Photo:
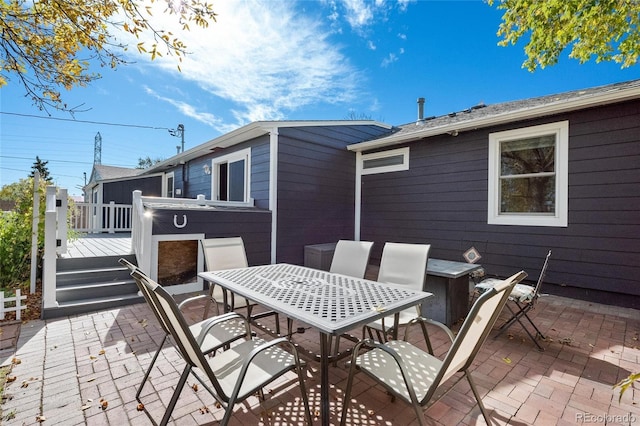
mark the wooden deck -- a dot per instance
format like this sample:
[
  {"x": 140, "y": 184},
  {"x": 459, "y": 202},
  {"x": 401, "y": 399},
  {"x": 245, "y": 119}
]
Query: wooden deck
[{"x": 96, "y": 245}]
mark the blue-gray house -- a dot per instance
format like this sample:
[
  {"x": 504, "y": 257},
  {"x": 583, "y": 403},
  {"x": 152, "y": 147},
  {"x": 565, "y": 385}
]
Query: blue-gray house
[{"x": 513, "y": 180}]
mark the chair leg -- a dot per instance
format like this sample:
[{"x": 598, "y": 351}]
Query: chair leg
[
  {"x": 347, "y": 392},
  {"x": 516, "y": 317},
  {"x": 478, "y": 399},
  {"x": 153, "y": 361},
  {"x": 176, "y": 394},
  {"x": 425, "y": 333}
]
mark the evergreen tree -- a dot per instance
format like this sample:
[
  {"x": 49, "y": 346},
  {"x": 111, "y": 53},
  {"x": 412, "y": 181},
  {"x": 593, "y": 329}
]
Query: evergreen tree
[{"x": 41, "y": 166}]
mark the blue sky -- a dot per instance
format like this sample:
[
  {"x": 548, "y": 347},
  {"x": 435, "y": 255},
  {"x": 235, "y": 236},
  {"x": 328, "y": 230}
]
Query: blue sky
[{"x": 275, "y": 60}]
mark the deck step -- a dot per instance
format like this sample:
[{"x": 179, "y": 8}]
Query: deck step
[
  {"x": 89, "y": 284},
  {"x": 105, "y": 289},
  {"x": 83, "y": 306}
]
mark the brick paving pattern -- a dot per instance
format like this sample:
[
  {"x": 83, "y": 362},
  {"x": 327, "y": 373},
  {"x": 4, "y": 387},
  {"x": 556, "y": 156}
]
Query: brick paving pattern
[{"x": 85, "y": 369}]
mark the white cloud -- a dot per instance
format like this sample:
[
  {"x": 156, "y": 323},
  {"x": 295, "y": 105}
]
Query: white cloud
[
  {"x": 263, "y": 58},
  {"x": 391, "y": 58}
]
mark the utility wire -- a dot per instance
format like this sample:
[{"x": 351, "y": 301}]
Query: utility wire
[{"x": 85, "y": 121}]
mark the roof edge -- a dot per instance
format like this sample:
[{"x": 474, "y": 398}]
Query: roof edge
[{"x": 606, "y": 98}]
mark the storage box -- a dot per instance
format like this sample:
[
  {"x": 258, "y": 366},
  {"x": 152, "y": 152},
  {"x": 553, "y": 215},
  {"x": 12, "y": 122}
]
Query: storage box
[{"x": 319, "y": 256}]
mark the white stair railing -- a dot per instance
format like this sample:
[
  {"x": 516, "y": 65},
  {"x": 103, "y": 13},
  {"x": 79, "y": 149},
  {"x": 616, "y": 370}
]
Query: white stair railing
[
  {"x": 141, "y": 232},
  {"x": 50, "y": 246}
]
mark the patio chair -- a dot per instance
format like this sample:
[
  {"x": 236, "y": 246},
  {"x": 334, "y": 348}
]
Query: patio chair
[
  {"x": 234, "y": 374},
  {"x": 401, "y": 264},
  {"x": 524, "y": 297},
  {"x": 349, "y": 258},
  {"x": 413, "y": 375},
  {"x": 229, "y": 253},
  {"x": 214, "y": 333}
]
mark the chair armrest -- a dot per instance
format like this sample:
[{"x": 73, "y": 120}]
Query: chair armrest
[
  {"x": 198, "y": 298},
  {"x": 208, "y": 324},
  {"x": 262, "y": 347},
  {"x": 446, "y": 329}
]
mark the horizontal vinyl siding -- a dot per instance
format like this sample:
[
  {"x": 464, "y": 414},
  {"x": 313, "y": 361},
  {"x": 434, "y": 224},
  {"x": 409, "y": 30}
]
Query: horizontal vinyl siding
[
  {"x": 198, "y": 182},
  {"x": 442, "y": 200},
  {"x": 121, "y": 192},
  {"x": 254, "y": 226},
  {"x": 316, "y": 178}
]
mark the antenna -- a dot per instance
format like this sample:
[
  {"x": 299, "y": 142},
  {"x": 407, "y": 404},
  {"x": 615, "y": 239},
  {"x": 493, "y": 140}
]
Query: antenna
[{"x": 97, "y": 149}]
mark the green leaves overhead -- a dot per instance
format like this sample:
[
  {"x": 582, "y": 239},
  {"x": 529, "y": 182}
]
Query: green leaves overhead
[
  {"x": 604, "y": 30},
  {"x": 48, "y": 45}
]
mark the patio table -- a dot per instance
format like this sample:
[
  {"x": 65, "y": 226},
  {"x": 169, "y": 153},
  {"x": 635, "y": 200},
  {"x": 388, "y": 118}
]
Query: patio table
[{"x": 331, "y": 303}]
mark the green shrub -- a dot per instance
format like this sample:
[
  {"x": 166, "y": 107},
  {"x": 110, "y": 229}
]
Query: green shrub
[{"x": 15, "y": 232}]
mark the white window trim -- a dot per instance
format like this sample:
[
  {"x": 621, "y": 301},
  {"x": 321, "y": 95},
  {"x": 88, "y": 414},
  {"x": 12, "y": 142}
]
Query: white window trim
[
  {"x": 404, "y": 152},
  {"x": 560, "y": 219},
  {"x": 165, "y": 185},
  {"x": 245, "y": 155}
]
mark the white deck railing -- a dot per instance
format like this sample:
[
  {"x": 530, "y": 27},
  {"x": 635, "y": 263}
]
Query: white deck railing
[{"x": 98, "y": 217}]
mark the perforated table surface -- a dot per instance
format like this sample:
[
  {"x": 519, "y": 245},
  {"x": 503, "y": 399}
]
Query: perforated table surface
[{"x": 331, "y": 303}]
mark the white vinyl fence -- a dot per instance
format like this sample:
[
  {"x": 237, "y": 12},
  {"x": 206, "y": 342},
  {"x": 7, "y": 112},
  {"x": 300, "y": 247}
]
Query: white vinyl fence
[{"x": 15, "y": 301}]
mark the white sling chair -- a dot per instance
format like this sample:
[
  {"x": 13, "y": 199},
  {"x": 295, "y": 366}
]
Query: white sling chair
[
  {"x": 229, "y": 253},
  {"x": 213, "y": 333},
  {"x": 232, "y": 375},
  {"x": 413, "y": 375}
]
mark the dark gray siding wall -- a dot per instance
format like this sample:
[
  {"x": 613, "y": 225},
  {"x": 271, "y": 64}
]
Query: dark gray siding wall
[
  {"x": 442, "y": 200},
  {"x": 253, "y": 225},
  {"x": 121, "y": 192},
  {"x": 194, "y": 181},
  {"x": 316, "y": 178}
]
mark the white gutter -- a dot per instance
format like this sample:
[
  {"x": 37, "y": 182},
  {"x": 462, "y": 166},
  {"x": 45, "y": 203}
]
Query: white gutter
[
  {"x": 613, "y": 96},
  {"x": 273, "y": 190},
  {"x": 358, "y": 198}
]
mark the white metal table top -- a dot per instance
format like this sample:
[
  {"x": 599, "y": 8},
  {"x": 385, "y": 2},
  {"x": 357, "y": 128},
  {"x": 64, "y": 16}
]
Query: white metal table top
[{"x": 332, "y": 303}]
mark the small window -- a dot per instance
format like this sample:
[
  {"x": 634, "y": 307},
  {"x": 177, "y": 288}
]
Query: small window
[
  {"x": 231, "y": 176},
  {"x": 528, "y": 175},
  {"x": 386, "y": 161}
]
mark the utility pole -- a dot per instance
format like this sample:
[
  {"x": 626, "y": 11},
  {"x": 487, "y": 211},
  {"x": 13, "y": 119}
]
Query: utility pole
[{"x": 179, "y": 133}]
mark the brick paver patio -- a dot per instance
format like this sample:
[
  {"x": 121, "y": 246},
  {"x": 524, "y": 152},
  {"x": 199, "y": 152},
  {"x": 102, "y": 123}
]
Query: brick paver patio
[{"x": 85, "y": 369}]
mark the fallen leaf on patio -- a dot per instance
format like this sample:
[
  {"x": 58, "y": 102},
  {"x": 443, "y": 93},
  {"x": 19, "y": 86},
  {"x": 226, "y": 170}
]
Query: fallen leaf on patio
[
  {"x": 11, "y": 379},
  {"x": 204, "y": 410},
  {"x": 93, "y": 357},
  {"x": 507, "y": 360},
  {"x": 371, "y": 413},
  {"x": 510, "y": 336},
  {"x": 218, "y": 405},
  {"x": 592, "y": 345},
  {"x": 85, "y": 407},
  {"x": 40, "y": 419},
  {"x": 140, "y": 407},
  {"x": 103, "y": 403},
  {"x": 24, "y": 384},
  {"x": 133, "y": 339},
  {"x": 194, "y": 387},
  {"x": 15, "y": 361},
  {"x": 91, "y": 379},
  {"x": 101, "y": 352},
  {"x": 143, "y": 322},
  {"x": 566, "y": 341}
]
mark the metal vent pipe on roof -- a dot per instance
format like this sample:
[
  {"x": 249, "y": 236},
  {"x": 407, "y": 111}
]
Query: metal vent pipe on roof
[{"x": 420, "y": 109}]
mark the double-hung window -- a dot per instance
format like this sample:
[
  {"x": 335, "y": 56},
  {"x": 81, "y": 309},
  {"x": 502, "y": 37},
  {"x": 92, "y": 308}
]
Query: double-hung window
[
  {"x": 528, "y": 176},
  {"x": 231, "y": 176}
]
